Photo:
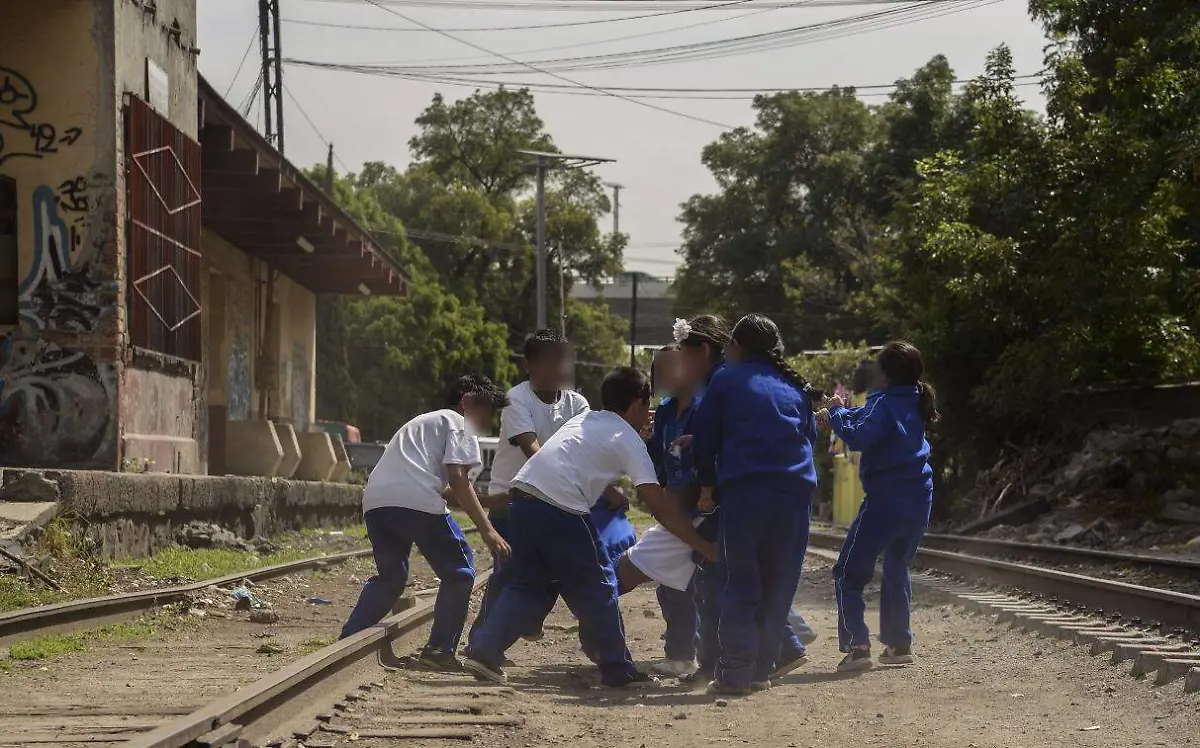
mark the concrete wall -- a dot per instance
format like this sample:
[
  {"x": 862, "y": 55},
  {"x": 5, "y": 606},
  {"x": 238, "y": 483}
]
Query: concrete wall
[
  {"x": 58, "y": 363},
  {"x": 238, "y": 377},
  {"x": 134, "y": 515}
]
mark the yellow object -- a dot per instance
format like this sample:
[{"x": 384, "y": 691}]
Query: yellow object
[{"x": 847, "y": 488}]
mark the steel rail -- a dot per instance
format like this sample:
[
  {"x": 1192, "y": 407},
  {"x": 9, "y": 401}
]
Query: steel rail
[
  {"x": 1169, "y": 608},
  {"x": 1060, "y": 554},
  {"x": 75, "y": 612},
  {"x": 227, "y": 717}
]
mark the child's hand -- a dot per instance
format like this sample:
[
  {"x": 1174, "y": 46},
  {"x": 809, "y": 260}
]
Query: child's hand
[
  {"x": 709, "y": 551},
  {"x": 648, "y": 430},
  {"x": 834, "y": 403},
  {"x": 822, "y": 417},
  {"x": 706, "y": 504},
  {"x": 496, "y": 544},
  {"x": 682, "y": 442}
]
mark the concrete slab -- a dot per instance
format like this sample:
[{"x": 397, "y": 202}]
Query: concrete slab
[{"x": 19, "y": 518}]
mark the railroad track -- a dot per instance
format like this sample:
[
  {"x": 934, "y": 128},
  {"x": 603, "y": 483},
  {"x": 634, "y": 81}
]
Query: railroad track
[
  {"x": 1105, "y": 598},
  {"x": 78, "y": 614}
]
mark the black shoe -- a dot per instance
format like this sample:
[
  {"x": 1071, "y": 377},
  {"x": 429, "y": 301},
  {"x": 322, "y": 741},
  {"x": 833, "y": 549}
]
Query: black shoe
[
  {"x": 857, "y": 661},
  {"x": 482, "y": 670},
  {"x": 896, "y": 656},
  {"x": 717, "y": 688},
  {"x": 635, "y": 680},
  {"x": 437, "y": 660}
]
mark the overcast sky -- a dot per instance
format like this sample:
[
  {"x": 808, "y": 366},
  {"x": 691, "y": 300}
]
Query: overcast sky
[{"x": 657, "y": 153}]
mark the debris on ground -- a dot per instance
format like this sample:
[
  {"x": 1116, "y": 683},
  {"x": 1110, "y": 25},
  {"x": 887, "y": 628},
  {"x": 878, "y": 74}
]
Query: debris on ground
[
  {"x": 30, "y": 487},
  {"x": 1124, "y": 488},
  {"x": 199, "y": 534},
  {"x": 244, "y": 599}
]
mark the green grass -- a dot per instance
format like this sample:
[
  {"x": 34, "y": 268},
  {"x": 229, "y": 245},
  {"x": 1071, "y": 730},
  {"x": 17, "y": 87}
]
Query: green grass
[
  {"x": 47, "y": 646},
  {"x": 74, "y": 569},
  {"x": 312, "y": 645},
  {"x": 207, "y": 563}
]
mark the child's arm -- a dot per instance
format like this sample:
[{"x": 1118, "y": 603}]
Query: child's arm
[
  {"x": 667, "y": 511},
  {"x": 464, "y": 496},
  {"x": 860, "y": 428},
  {"x": 706, "y": 430},
  {"x": 516, "y": 425},
  {"x": 655, "y": 447},
  {"x": 616, "y": 497}
]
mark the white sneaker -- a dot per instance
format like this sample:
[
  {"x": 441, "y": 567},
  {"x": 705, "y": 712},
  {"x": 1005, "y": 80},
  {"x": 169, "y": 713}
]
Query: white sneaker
[{"x": 675, "y": 668}]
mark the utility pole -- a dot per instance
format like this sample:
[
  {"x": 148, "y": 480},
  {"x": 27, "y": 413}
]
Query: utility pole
[
  {"x": 329, "y": 172},
  {"x": 633, "y": 306},
  {"x": 542, "y": 163},
  {"x": 270, "y": 41}
]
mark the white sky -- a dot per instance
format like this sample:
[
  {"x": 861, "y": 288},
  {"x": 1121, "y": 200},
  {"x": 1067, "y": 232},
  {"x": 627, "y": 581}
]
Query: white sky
[{"x": 657, "y": 154}]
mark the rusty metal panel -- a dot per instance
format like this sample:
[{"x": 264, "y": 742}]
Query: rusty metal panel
[{"x": 162, "y": 170}]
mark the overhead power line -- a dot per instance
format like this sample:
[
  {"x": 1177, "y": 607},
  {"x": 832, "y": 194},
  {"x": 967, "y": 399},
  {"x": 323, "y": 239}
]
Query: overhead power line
[
  {"x": 692, "y": 52},
  {"x": 536, "y": 69},
  {"x": 595, "y": 6},
  {"x": 529, "y": 27}
]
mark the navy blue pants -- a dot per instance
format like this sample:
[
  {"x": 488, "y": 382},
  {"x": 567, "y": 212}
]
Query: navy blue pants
[
  {"x": 501, "y": 575},
  {"x": 393, "y": 531},
  {"x": 763, "y": 535},
  {"x": 709, "y": 583},
  {"x": 550, "y": 545},
  {"x": 890, "y": 523},
  {"x": 681, "y": 613}
]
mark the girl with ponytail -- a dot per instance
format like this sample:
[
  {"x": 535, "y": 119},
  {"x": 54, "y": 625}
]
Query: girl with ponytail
[
  {"x": 889, "y": 431},
  {"x": 753, "y": 438}
]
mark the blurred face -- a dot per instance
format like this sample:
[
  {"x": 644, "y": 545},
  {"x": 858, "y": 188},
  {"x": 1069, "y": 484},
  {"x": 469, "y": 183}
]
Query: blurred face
[
  {"x": 694, "y": 364},
  {"x": 668, "y": 373},
  {"x": 876, "y": 379},
  {"x": 479, "y": 414},
  {"x": 551, "y": 370}
]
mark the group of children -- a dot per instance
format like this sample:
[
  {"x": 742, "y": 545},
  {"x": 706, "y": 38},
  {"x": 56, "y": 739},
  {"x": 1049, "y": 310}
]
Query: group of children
[{"x": 725, "y": 465}]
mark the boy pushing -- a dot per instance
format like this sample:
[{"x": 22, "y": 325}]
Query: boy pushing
[
  {"x": 403, "y": 505},
  {"x": 554, "y": 539}
]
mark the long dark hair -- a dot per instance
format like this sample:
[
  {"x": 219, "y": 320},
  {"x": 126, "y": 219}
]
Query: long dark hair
[
  {"x": 708, "y": 329},
  {"x": 654, "y": 363},
  {"x": 758, "y": 336},
  {"x": 902, "y": 364}
]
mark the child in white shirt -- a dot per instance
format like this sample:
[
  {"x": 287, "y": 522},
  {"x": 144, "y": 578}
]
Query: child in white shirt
[{"x": 403, "y": 506}]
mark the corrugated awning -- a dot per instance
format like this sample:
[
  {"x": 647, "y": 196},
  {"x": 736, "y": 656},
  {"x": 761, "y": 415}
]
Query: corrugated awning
[{"x": 257, "y": 200}]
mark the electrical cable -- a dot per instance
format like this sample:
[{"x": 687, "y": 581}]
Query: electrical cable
[
  {"x": 242, "y": 64},
  {"x": 563, "y": 78}
]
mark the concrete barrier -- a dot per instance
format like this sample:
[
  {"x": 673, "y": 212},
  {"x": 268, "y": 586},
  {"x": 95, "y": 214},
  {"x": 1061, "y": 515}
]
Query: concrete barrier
[
  {"x": 252, "y": 448},
  {"x": 131, "y": 515},
  {"x": 291, "y": 450},
  {"x": 317, "y": 458}
]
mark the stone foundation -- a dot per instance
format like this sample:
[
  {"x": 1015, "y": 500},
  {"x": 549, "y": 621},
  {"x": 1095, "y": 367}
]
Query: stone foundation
[{"x": 133, "y": 515}]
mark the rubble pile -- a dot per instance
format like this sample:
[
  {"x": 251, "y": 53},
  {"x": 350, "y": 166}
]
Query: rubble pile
[
  {"x": 1125, "y": 487},
  {"x": 207, "y": 535}
]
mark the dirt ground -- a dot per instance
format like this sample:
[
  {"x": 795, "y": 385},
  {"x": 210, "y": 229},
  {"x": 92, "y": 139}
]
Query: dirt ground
[{"x": 976, "y": 684}]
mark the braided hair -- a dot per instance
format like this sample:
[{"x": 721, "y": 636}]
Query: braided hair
[
  {"x": 758, "y": 335},
  {"x": 708, "y": 329}
]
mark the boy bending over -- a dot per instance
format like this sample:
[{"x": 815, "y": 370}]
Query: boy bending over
[
  {"x": 403, "y": 506},
  {"x": 553, "y": 537}
]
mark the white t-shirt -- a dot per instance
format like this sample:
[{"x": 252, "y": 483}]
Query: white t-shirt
[
  {"x": 585, "y": 456},
  {"x": 526, "y": 413},
  {"x": 412, "y": 471}
]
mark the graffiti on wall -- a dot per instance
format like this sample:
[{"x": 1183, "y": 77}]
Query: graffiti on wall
[
  {"x": 56, "y": 406},
  {"x": 63, "y": 288},
  {"x": 60, "y": 291},
  {"x": 301, "y": 386},
  {"x": 22, "y": 133},
  {"x": 237, "y": 382}
]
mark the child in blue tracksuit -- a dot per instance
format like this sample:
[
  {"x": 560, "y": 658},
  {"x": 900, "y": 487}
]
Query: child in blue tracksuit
[
  {"x": 754, "y": 430},
  {"x": 889, "y": 431},
  {"x": 672, "y": 419}
]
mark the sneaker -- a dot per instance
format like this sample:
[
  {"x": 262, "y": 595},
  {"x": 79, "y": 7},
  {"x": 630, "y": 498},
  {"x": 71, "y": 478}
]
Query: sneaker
[
  {"x": 896, "y": 656},
  {"x": 483, "y": 671},
  {"x": 717, "y": 688},
  {"x": 675, "y": 668},
  {"x": 438, "y": 660},
  {"x": 856, "y": 661},
  {"x": 635, "y": 680},
  {"x": 787, "y": 667},
  {"x": 760, "y": 685},
  {"x": 702, "y": 675}
]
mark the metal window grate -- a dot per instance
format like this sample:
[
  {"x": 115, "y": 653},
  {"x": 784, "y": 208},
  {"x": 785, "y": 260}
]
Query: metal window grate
[{"x": 162, "y": 179}]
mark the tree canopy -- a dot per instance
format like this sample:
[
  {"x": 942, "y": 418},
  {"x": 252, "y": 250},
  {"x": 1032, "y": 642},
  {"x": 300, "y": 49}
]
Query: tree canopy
[
  {"x": 1028, "y": 254},
  {"x": 461, "y": 217}
]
